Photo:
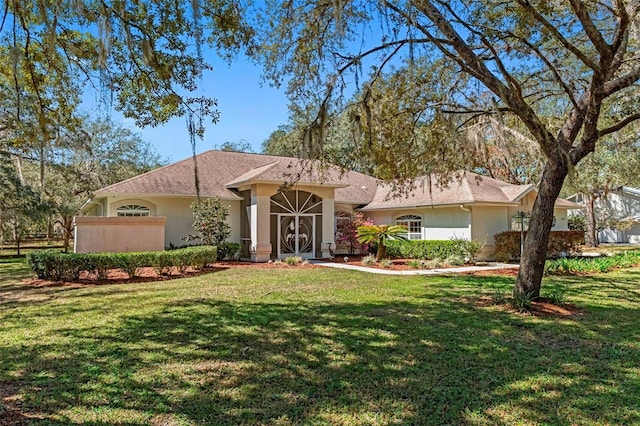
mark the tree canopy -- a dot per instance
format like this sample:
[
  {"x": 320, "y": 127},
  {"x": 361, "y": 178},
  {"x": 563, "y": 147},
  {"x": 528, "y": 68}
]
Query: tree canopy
[{"x": 566, "y": 71}]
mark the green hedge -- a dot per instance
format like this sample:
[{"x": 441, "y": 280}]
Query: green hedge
[
  {"x": 54, "y": 265},
  {"x": 433, "y": 249},
  {"x": 508, "y": 244}
]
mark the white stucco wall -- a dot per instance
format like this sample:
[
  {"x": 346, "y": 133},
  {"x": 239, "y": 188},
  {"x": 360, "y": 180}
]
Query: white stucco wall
[
  {"x": 178, "y": 212},
  {"x": 446, "y": 223}
]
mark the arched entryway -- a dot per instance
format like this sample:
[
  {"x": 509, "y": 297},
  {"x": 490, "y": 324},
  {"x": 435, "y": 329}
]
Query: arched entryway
[{"x": 296, "y": 218}]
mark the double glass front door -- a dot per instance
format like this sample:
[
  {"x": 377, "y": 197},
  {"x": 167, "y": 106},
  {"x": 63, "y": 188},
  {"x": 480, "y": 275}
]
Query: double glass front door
[{"x": 296, "y": 234}]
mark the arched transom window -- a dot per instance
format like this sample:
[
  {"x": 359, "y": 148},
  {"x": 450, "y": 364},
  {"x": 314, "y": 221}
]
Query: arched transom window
[
  {"x": 413, "y": 224},
  {"x": 131, "y": 210}
]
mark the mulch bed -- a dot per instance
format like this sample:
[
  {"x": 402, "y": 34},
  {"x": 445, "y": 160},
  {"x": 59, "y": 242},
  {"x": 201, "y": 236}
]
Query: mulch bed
[{"x": 148, "y": 274}]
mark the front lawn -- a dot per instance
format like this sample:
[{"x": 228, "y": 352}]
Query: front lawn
[{"x": 317, "y": 346}]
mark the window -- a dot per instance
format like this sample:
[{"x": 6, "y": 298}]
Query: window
[
  {"x": 413, "y": 224},
  {"x": 342, "y": 221},
  {"x": 131, "y": 210}
]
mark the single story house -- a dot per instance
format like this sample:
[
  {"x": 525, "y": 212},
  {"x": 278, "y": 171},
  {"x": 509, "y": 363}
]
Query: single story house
[
  {"x": 282, "y": 206},
  {"x": 619, "y": 211}
]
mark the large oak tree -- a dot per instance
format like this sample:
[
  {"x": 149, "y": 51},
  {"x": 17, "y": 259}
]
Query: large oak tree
[{"x": 560, "y": 68}]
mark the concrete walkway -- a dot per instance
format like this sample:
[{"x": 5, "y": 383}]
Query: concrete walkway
[{"x": 437, "y": 271}]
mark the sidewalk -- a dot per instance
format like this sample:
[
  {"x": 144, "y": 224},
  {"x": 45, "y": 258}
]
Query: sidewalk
[{"x": 437, "y": 271}]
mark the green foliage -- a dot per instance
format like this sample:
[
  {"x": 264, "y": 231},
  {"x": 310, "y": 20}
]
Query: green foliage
[
  {"x": 368, "y": 260},
  {"x": 498, "y": 296},
  {"x": 347, "y": 232},
  {"x": 455, "y": 260},
  {"x": 210, "y": 221},
  {"x": 577, "y": 222},
  {"x": 560, "y": 243},
  {"x": 57, "y": 266},
  {"x": 416, "y": 264},
  {"x": 293, "y": 260},
  {"x": 431, "y": 249},
  {"x": 386, "y": 263},
  {"x": 558, "y": 298},
  {"x": 380, "y": 235},
  {"x": 590, "y": 265},
  {"x": 522, "y": 302},
  {"x": 228, "y": 250},
  {"x": 21, "y": 204}
]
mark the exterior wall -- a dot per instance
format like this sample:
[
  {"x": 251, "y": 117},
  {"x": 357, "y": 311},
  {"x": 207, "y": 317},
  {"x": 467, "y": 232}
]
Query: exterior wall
[
  {"x": 438, "y": 223},
  {"x": 487, "y": 221},
  {"x": 118, "y": 234},
  {"x": 243, "y": 218},
  {"x": 561, "y": 215},
  {"x": 633, "y": 234},
  {"x": 179, "y": 217},
  {"x": 446, "y": 223}
]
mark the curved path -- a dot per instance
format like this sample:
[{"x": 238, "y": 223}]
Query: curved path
[{"x": 437, "y": 271}]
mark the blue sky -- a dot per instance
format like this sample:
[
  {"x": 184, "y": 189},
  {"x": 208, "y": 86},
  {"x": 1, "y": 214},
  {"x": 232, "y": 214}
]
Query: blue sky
[{"x": 248, "y": 111}]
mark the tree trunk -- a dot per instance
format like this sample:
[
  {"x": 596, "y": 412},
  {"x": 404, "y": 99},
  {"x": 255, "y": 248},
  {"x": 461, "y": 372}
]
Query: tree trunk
[
  {"x": 67, "y": 229},
  {"x": 381, "y": 253},
  {"x": 591, "y": 240},
  {"x": 535, "y": 244}
]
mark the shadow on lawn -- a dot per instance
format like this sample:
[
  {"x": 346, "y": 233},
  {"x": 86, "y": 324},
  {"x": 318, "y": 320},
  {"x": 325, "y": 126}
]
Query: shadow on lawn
[{"x": 209, "y": 362}]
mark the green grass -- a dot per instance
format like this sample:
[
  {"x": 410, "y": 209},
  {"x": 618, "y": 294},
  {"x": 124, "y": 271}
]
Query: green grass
[{"x": 298, "y": 346}]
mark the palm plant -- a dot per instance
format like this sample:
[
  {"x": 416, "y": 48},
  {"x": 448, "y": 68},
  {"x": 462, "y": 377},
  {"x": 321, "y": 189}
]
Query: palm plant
[{"x": 379, "y": 235}]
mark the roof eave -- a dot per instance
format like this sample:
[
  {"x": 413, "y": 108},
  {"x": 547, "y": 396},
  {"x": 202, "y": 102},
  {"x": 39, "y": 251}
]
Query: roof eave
[
  {"x": 150, "y": 194},
  {"x": 249, "y": 182}
]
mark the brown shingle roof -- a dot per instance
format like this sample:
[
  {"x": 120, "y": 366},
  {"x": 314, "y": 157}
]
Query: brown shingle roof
[
  {"x": 219, "y": 171},
  {"x": 470, "y": 188}
]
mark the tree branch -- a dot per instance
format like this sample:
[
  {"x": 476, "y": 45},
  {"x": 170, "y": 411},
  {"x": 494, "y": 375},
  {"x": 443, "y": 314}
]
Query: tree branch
[
  {"x": 558, "y": 36},
  {"x": 619, "y": 125},
  {"x": 622, "y": 82},
  {"x": 590, "y": 29}
]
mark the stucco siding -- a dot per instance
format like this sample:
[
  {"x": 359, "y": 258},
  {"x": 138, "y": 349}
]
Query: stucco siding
[
  {"x": 559, "y": 213},
  {"x": 488, "y": 221},
  {"x": 446, "y": 223},
  {"x": 437, "y": 223},
  {"x": 179, "y": 215},
  {"x": 380, "y": 218},
  {"x": 118, "y": 234}
]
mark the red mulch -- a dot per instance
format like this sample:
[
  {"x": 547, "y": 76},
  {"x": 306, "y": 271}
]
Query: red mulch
[
  {"x": 542, "y": 307},
  {"x": 148, "y": 274}
]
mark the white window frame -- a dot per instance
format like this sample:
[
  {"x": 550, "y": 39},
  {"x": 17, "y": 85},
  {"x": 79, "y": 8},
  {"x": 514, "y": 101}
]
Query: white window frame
[
  {"x": 133, "y": 210},
  {"x": 413, "y": 223}
]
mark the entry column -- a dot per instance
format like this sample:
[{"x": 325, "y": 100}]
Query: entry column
[
  {"x": 328, "y": 224},
  {"x": 260, "y": 223}
]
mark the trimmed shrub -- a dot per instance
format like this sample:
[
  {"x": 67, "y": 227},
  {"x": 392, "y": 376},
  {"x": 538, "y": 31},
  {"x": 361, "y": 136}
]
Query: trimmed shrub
[
  {"x": 432, "y": 249},
  {"x": 560, "y": 242},
  {"x": 228, "y": 250},
  {"x": 164, "y": 261},
  {"x": 54, "y": 265}
]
